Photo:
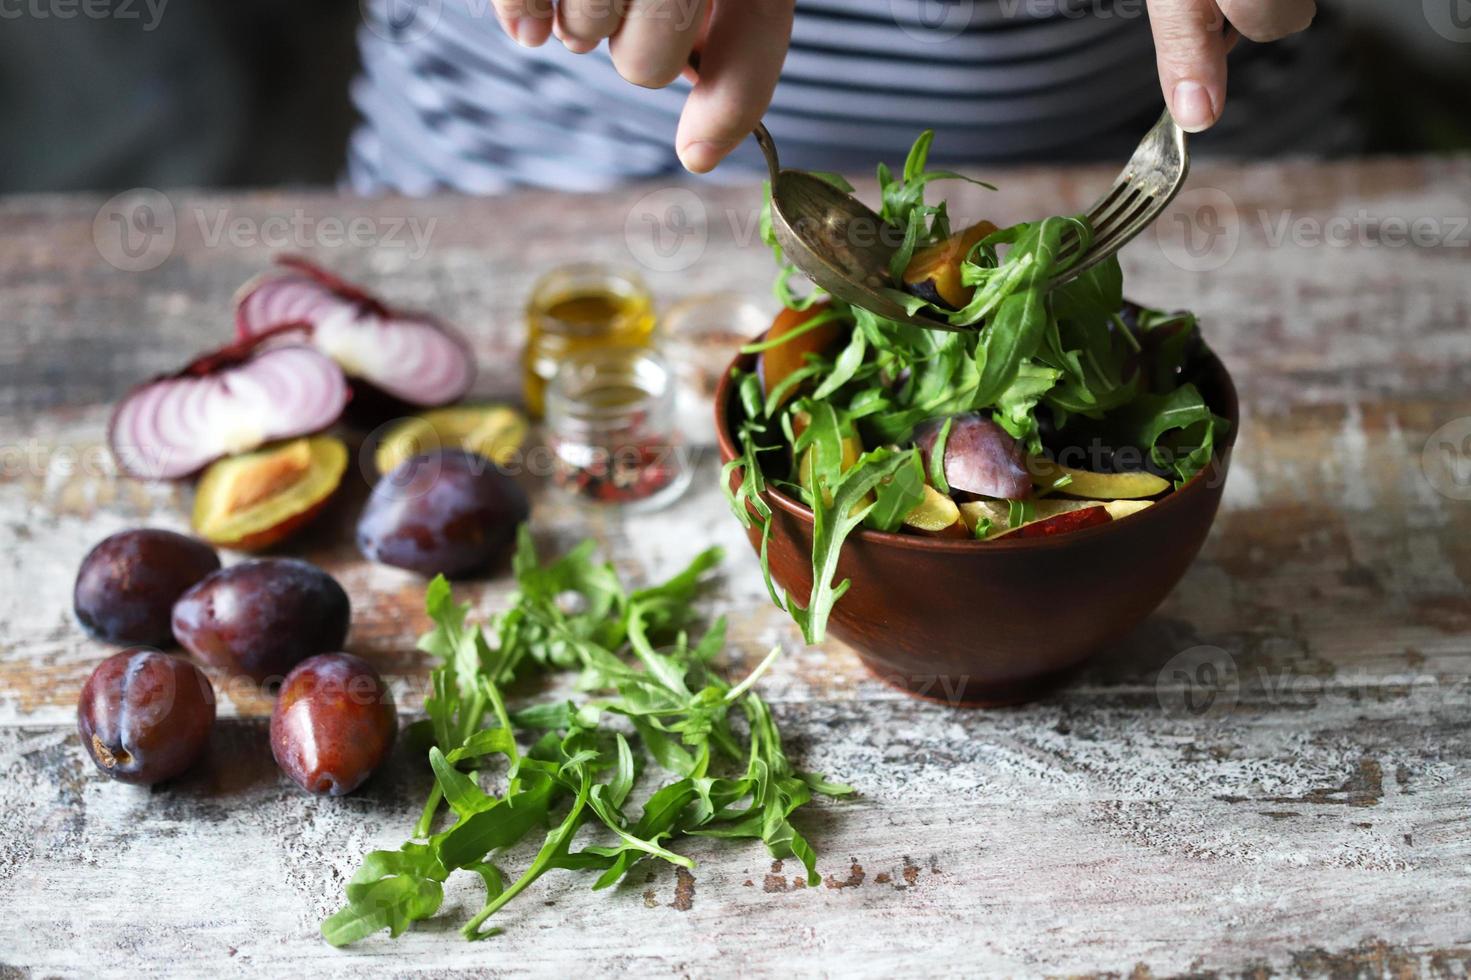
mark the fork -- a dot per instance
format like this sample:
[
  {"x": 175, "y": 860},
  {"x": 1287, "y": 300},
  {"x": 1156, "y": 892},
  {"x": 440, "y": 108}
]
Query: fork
[{"x": 1149, "y": 182}]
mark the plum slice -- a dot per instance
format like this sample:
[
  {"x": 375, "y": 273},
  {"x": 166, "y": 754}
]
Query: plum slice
[
  {"x": 933, "y": 273},
  {"x": 411, "y": 357},
  {"x": 775, "y": 364},
  {"x": 1131, "y": 485},
  {"x": 980, "y": 457},
  {"x": 1068, "y": 520},
  {"x": 493, "y": 431},
  {"x": 936, "y": 516},
  {"x": 229, "y": 401},
  {"x": 255, "y": 500}
]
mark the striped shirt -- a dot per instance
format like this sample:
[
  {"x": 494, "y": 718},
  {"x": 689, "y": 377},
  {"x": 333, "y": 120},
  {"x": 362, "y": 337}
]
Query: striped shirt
[{"x": 448, "y": 101}]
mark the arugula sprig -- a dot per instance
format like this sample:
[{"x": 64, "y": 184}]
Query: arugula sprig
[
  {"x": 572, "y": 769},
  {"x": 1038, "y": 353}
]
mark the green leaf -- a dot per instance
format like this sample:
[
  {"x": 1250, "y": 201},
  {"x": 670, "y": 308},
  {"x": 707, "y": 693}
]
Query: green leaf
[
  {"x": 389, "y": 903},
  {"x": 937, "y": 456},
  {"x": 1093, "y": 298},
  {"x": 898, "y": 495},
  {"x": 831, "y": 526},
  {"x": 1012, "y": 336}
]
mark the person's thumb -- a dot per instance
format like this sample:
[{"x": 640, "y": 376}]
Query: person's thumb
[{"x": 1190, "y": 46}]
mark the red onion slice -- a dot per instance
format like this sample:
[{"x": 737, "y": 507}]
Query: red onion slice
[
  {"x": 411, "y": 356},
  {"x": 227, "y": 402}
]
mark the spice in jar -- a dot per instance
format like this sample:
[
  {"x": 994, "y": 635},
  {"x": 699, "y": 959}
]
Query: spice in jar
[
  {"x": 578, "y": 308},
  {"x": 612, "y": 431}
]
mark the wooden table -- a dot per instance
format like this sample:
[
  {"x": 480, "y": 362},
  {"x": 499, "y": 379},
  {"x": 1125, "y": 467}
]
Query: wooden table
[{"x": 1313, "y": 819}]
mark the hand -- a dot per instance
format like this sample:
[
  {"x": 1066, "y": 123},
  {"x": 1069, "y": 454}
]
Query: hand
[
  {"x": 1191, "y": 45},
  {"x": 742, "y": 46}
]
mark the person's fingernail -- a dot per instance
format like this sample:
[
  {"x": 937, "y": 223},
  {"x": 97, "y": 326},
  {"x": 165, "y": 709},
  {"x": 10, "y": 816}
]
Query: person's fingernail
[
  {"x": 701, "y": 156},
  {"x": 529, "y": 32},
  {"x": 1192, "y": 107}
]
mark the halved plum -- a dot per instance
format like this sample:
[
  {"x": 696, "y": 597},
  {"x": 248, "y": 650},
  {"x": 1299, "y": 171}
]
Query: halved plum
[
  {"x": 775, "y": 364},
  {"x": 258, "y": 499},
  {"x": 933, "y": 273},
  {"x": 493, "y": 431}
]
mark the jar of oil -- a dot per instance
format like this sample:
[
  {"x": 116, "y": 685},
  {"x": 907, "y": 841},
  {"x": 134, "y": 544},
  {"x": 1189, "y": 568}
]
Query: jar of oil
[{"x": 579, "y": 308}]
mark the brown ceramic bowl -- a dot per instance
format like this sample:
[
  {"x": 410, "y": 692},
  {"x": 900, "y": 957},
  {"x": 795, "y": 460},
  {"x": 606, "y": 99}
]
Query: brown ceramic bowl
[{"x": 996, "y": 622}]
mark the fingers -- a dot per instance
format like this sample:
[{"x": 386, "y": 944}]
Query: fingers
[
  {"x": 528, "y": 22},
  {"x": 653, "y": 43},
  {"x": 1191, "y": 50},
  {"x": 739, "y": 66},
  {"x": 1273, "y": 21},
  {"x": 581, "y": 24}
]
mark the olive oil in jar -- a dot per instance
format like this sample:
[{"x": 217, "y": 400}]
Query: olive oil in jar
[{"x": 579, "y": 308}]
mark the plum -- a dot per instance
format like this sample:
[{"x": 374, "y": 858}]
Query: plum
[
  {"x": 129, "y": 582},
  {"x": 334, "y": 723},
  {"x": 980, "y": 457},
  {"x": 145, "y": 716},
  {"x": 261, "y": 618},
  {"x": 450, "y": 512}
]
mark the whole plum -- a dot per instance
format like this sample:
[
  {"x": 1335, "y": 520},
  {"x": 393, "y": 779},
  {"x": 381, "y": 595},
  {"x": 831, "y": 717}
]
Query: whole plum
[
  {"x": 334, "y": 723},
  {"x": 261, "y": 618},
  {"x": 451, "y": 512},
  {"x": 145, "y": 716},
  {"x": 128, "y": 583}
]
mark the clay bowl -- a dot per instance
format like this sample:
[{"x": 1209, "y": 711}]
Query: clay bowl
[{"x": 996, "y": 622}]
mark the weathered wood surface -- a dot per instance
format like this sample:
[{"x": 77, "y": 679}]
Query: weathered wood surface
[{"x": 1316, "y": 822}]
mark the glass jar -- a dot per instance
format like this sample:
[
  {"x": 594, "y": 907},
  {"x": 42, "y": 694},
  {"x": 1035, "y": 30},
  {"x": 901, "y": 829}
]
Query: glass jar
[
  {"x": 700, "y": 335},
  {"x": 611, "y": 426},
  {"x": 580, "y": 307}
]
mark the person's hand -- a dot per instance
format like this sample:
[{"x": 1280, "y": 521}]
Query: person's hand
[
  {"x": 742, "y": 46},
  {"x": 1191, "y": 44}
]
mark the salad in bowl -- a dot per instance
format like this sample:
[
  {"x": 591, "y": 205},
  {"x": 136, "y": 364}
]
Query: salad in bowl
[{"x": 1055, "y": 411}]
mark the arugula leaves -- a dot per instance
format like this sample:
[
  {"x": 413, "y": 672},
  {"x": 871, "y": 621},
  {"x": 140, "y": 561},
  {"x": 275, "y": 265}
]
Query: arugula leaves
[
  {"x": 579, "y": 768},
  {"x": 1039, "y": 355}
]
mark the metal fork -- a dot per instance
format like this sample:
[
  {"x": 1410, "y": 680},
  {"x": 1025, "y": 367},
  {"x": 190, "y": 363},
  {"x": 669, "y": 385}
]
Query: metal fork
[{"x": 1149, "y": 182}]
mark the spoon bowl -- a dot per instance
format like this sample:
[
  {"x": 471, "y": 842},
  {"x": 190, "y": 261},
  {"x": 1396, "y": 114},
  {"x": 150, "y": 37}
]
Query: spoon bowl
[{"x": 836, "y": 240}]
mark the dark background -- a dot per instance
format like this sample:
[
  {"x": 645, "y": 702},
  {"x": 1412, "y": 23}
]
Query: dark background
[{"x": 255, "y": 93}]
